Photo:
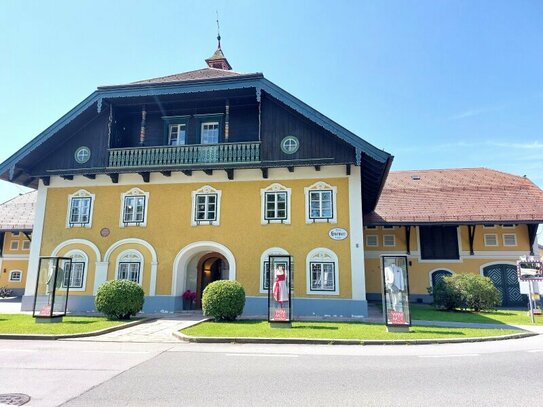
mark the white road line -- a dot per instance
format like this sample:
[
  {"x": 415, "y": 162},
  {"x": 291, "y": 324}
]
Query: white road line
[
  {"x": 450, "y": 356},
  {"x": 113, "y": 351},
  {"x": 261, "y": 355},
  {"x": 18, "y": 350}
]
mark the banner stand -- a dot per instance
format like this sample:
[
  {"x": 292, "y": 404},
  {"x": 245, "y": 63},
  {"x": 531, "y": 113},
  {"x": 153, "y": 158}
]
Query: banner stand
[
  {"x": 279, "y": 277},
  {"x": 396, "y": 293}
]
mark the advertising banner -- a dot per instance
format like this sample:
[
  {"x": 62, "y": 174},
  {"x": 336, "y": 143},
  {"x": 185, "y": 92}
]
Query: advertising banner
[
  {"x": 396, "y": 291},
  {"x": 279, "y": 289},
  {"x": 52, "y": 286}
]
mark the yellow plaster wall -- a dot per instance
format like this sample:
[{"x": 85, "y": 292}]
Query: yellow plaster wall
[
  {"x": 169, "y": 228},
  {"x": 10, "y": 265}
]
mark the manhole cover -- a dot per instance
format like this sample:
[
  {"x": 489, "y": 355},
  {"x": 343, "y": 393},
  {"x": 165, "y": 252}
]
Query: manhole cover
[{"x": 14, "y": 399}]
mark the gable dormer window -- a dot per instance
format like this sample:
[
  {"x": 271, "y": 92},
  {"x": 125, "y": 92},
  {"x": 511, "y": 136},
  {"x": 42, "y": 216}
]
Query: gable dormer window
[
  {"x": 134, "y": 208},
  {"x": 80, "y": 209}
]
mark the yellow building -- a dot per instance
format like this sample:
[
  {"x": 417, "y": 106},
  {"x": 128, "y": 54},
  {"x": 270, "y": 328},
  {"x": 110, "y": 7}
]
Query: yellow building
[
  {"x": 473, "y": 220},
  {"x": 16, "y": 223},
  {"x": 178, "y": 181}
]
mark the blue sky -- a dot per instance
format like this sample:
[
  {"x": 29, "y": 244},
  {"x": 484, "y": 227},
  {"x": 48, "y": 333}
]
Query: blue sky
[{"x": 437, "y": 83}]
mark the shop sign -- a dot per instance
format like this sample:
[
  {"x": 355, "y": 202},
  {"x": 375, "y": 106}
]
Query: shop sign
[{"x": 338, "y": 234}]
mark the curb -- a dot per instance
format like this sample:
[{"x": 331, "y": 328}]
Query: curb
[
  {"x": 301, "y": 341},
  {"x": 80, "y": 335}
]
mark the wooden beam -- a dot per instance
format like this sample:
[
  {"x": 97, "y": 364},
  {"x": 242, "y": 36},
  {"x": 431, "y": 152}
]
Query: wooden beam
[
  {"x": 230, "y": 173},
  {"x": 348, "y": 169},
  {"x": 90, "y": 176},
  {"x": 166, "y": 173},
  {"x": 68, "y": 177},
  {"x": 146, "y": 176},
  {"x": 209, "y": 172},
  {"x": 46, "y": 180},
  {"x": 471, "y": 233},
  {"x": 317, "y": 167},
  {"x": 408, "y": 239},
  {"x": 532, "y": 233},
  {"x": 290, "y": 169},
  {"x": 28, "y": 235},
  {"x": 114, "y": 178},
  {"x": 188, "y": 173},
  {"x": 264, "y": 173}
]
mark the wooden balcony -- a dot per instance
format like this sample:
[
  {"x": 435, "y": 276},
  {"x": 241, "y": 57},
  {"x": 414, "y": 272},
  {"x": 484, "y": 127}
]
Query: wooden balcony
[{"x": 198, "y": 155}]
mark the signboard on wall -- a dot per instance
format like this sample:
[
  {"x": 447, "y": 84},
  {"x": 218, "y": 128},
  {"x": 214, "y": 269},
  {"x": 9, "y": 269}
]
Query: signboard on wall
[{"x": 338, "y": 234}]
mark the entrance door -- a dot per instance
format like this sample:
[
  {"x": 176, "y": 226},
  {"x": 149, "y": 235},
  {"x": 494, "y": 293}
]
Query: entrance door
[
  {"x": 504, "y": 277},
  {"x": 210, "y": 269}
]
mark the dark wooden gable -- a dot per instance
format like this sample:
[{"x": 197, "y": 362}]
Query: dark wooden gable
[{"x": 317, "y": 145}]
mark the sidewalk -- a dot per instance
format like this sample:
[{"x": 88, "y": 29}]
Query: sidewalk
[{"x": 158, "y": 330}]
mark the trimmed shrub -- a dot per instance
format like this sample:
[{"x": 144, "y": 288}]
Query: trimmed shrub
[
  {"x": 223, "y": 300},
  {"x": 465, "y": 290},
  {"x": 119, "y": 299},
  {"x": 446, "y": 296}
]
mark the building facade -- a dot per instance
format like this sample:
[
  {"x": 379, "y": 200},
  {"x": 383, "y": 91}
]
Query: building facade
[{"x": 178, "y": 181}]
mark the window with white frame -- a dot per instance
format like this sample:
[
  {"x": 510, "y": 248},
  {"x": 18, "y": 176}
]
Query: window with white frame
[
  {"x": 80, "y": 206},
  {"x": 177, "y": 134},
  {"x": 14, "y": 245},
  {"x": 129, "y": 266},
  {"x": 388, "y": 227},
  {"x": 275, "y": 204},
  {"x": 509, "y": 239},
  {"x": 15, "y": 275},
  {"x": 265, "y": 267},
  {"x": 491, "y": 239},
  {"x": 134, "y": 208},
  {"x": 209, "y": 133},
  {"x": 320, "y": 203},
  {"x": 322, "y": 269},
  {"x": 74, "y": 277},
  {"x": 489, "y": 226},
  {"x": 371, "y": 227},
  {"x": 389, "y": 240},
  {"x": 206, "y": 205},
  {"x": 372, "y": 240},
  {"x": 26, "y": 244},
  {"x": 508, "y": 226},
  {"x": 15, "y": 234}
]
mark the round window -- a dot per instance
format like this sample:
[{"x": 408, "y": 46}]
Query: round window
[
  {"x": 82, "y": 155},
  {"x": 290, "y": 145}
]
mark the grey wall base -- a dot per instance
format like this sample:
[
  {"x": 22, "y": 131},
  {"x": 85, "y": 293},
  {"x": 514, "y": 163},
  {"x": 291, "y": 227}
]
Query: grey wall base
[
  {"x": 311, "y": 307},
  {"x": 417, "y": 298},
  {"x": 254, "y": 306}
]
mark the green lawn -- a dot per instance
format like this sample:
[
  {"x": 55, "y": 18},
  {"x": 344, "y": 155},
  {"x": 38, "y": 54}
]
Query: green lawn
[
  {"x": 429, "y": 313},
  {"x": 332, "y": 330},
  {"x": 24, "y": 324}
]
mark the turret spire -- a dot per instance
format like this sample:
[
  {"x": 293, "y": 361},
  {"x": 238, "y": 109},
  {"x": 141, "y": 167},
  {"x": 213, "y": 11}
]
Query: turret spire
[{"x": 218, "y": 60}]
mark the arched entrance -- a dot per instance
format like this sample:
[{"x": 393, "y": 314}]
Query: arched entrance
[
  {"x": 211, "y": 267},
  {"x": 189, "y": 267}
]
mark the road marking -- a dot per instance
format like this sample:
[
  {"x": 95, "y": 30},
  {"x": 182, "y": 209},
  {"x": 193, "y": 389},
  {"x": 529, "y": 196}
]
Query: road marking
[
  {"x": 113, "y": 351},
  {"x": 450, "y": 356},
  {"x": 262, "y": 355},
  {"x": 18, "y": 350}
]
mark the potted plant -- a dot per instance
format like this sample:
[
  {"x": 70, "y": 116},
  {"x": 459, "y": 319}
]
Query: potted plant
[{"x": 188, "y": 299}]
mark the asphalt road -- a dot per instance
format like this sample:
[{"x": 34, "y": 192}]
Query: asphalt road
[{"x": 77, "y": 373}]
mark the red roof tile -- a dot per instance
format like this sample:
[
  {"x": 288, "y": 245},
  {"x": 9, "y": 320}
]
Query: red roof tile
[
  {"x": 18, "y": 213},
  {"x": 457, "y": 195}
]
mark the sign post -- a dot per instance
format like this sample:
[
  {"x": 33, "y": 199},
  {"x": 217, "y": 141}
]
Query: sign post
[
  {"x": 279, "y": 292},
  {"x": 530, "y": 269},
  {"x": 396, "y": 293}
]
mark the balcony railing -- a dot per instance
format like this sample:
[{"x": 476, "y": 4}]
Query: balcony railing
[{"x": 186, "y": 155}]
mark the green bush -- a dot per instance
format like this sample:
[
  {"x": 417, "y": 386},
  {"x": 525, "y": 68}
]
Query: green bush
[
  {"x": 446, "y": 296},
  {"x": 223, "y": 300},
  {"x": 468, "y": 291},
  {"x": 119, "y": 299}
]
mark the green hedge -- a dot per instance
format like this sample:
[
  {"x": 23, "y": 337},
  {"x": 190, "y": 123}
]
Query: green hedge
[
  {"x": 467, "y": 291},
  {"x": 223, "y": 300},
  {"x": 119, "y": 299}
]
